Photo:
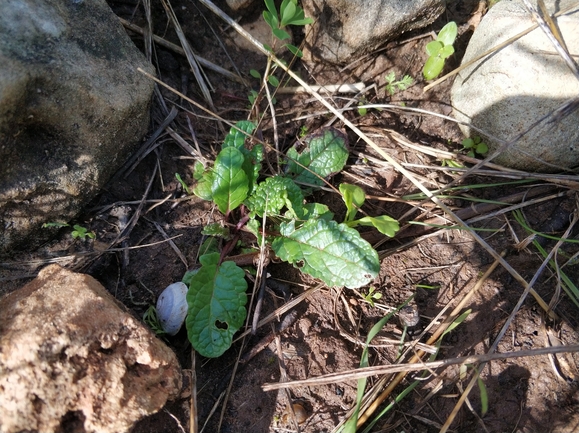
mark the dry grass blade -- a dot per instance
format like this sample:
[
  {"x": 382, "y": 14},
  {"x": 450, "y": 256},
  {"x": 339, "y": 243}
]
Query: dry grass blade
[
  {"x": 552, "y": 33},
  {"x": 404, "y": 369},
  {"x": 195, "y": 67},
  {"x": 177, "y": 49}
]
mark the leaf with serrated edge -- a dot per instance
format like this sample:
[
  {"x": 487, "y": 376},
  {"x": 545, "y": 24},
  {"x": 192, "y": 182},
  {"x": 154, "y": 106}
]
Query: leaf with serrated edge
[
  {"x": 326, "y": 154},
  {"x": 332, "y": 252},
  {"x": 216, "y": 300},
  {"x": 230, "y": 184}
]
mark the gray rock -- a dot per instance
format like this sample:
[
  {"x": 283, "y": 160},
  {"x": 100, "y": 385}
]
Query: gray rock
[
  {"x": 346, "y": 29},
  {"x": 72, "y": 107},
  {"x": 513, "y": 88},
  {"x": 72, "y": 360}
]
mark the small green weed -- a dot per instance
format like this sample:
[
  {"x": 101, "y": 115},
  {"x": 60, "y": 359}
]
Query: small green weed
[
  {"x": 475, "y": 146},
  {"x": 372, "y": 296},
  {"x": 183, "y": 184},
  {"x": 300, "y": 233},
  {"x": 78, "y": 231},
  {"x": 394, "y": 86},
  {"x": 439, "y": 50}
]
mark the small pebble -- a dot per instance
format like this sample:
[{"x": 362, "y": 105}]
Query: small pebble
[{"x": 409, "y": 316}]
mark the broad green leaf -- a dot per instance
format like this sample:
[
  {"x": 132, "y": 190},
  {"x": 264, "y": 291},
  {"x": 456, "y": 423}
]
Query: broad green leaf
[
  {"x": 216, "y": 300},
  {"x": 280, "y": 34},
  {"x": 354, "y": 197},
  {"x": 270, "y": 5},
  {"x": 447, "y": 34},
  {"x": 287, "y": 13},
  {"x": 230, "y": 184},
  {"x": 433, "y": 67},
  {"x": 271, "y": 20},
  {"x": 433, "y": 48},
  {"x": 482, "y": 148},
  {"x": 326, "y": 153},
  {"x": 236, "y": 138},
  {"x": 275, "y": 193},
  {"x": 385, "y": 224},
  {"x": 332, "y": 252},
  {"x": 317, "y": 210},
  {"x": 467, "y": 143},
  {"x": 209, "y": 245},
  {"x": 446, "y": 52}
]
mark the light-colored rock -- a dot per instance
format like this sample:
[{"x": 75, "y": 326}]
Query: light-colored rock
[
  {"x": 72, "y": 107},
  {"x": 72, "y": 360},
  {"x": 346, "y": 29},
  {"x": 513, "y": 88},
  {"x": 239, "y": 4}
]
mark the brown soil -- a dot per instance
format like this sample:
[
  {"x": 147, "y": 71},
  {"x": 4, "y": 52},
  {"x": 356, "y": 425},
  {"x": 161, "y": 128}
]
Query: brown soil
[{"x": 330, "y": 326}]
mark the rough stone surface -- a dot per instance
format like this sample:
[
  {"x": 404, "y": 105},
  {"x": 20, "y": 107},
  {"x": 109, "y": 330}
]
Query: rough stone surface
[
  {"x": 513, "y": 88},
  {"x": 72, "y": 106},
  {"x": 71, "y": 360},
  {"x": 346, "y": 29}
]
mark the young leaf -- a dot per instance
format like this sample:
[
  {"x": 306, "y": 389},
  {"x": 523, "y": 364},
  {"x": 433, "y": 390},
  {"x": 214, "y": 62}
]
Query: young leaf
[
  {"x": 287, "y": 13},
  {"x": 215, "y": 229},
  {"x": 280, "y": 34},
  {"x": 205, "y": 181},
  {"x": 446, "y": 52},
  {"x": 230, "y": 184},
  {"x": 295, "y": 50},
  {"x": 354, "y": 197},
  {"x": 236, "y": 138},
  {"x": 270, "y": 5},
  {"x": 272, "y": 79},
  {"x": 317, "y": 210},
  {"x": 385, "y": 224},
  {"x": 216, "y": 300},
  {"x": 326, "y": 153},
  {"x": 447, "y": 34},
  {"x": 275, "y": 193},
  {"x": 332, "y": 252},
  {"x": 433, "y": 67},
  {"x": 484, "y": 399},
  {"x": 254, "y": 73},
  {"x": 433, "y": 48}
]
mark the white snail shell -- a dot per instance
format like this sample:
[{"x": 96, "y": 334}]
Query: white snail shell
[{"x": 172, "y": 307}]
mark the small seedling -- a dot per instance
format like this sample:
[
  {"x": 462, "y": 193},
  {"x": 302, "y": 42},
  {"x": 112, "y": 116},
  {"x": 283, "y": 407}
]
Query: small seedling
[
  {"x": 439, "y": 50},
  {"x": 393, "y": 86},
  {"x": 475, "y": 145},
  {"x": 151, "y": 319},
  {"x": 183, "y": 184},
  {"x": 372, "y": 296},
  {"x": 78, "y": 231}
]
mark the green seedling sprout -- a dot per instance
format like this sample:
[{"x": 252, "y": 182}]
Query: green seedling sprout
[
  {"x": 475, "y": 146},
  {"x": 439, "y": 50},
  {"x": 78, "y": 231},
  {"x": 394, "y": 86},
  {"x": 183, "y": 184}
]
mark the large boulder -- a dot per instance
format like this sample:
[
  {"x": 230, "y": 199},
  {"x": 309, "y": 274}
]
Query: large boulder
[
  {"x": 508, "y": 91},
  {"x": 72, "y": 360},
  {"x": 346, "y": 29},
  {"x": 72, "y": 107}
]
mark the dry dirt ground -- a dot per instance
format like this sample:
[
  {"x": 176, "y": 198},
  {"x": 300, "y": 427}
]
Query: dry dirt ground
[{"x": 328, "y": 327}]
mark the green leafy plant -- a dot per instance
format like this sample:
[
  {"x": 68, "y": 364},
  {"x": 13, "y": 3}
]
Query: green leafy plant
[
  {"x": 303, "y": 234},
  {"x": 289, "y": 14},
  {"x": 439, "y": 50},
  {"x": 372, "y": 296},
  {"x": 475, "y": 146},
  {"x": 151, "y": 319},
  {"x": 78, "y": 231},
  {"x": 393, "y": 85}
]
